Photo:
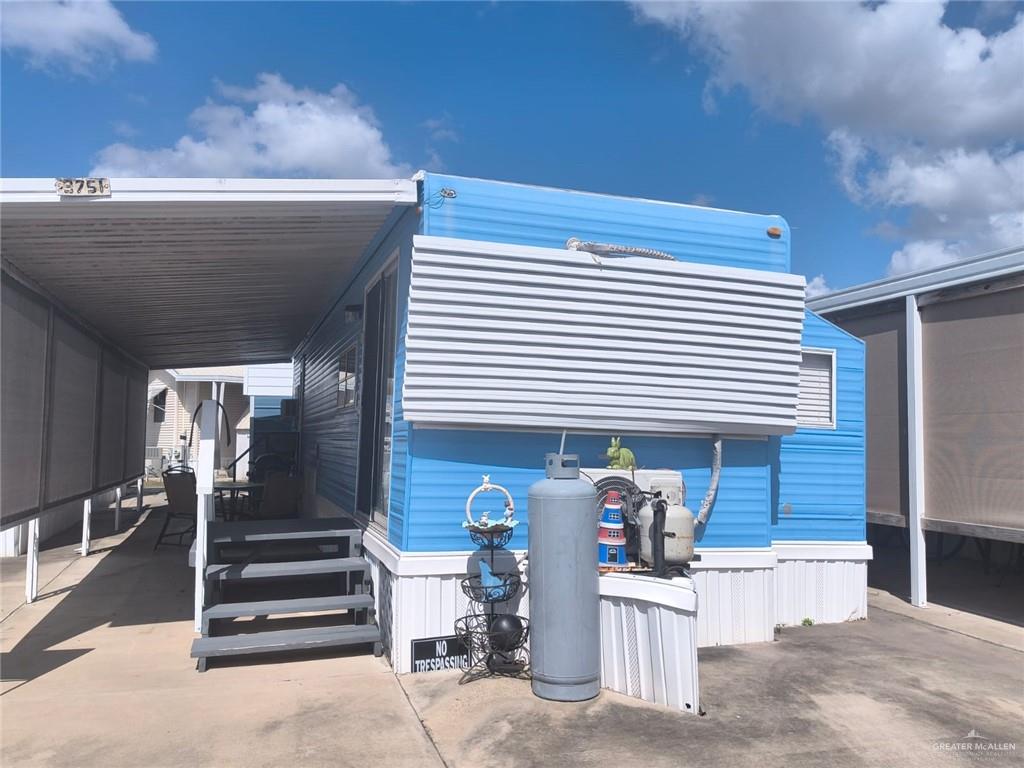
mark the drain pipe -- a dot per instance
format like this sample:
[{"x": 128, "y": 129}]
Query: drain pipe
[{"x": 716, "y": 471}]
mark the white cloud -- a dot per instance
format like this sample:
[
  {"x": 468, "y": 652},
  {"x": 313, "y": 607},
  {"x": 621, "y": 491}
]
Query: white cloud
[
  {"x": 80, "y": 35},
  {"x": 442, "y": 128},
  {"x": 817, "y": 286},
  {"x": 892, "y": 69},
  {"x": 922, "y": 254},
  {"x": 919, "y": 116},
  {"x": 271, "y": 129}
]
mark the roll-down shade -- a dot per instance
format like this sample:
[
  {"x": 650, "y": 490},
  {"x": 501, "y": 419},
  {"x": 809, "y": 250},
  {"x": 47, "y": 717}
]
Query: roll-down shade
[{"x": 516, "y": 336}]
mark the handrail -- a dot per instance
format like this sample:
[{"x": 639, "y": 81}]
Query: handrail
[{"x": 232, "y": 465}]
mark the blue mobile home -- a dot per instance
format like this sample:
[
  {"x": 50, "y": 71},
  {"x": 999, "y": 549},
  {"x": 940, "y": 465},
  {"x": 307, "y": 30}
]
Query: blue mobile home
[
  {"x": 441, "y": 329},
  {"x": 785, "y": 537}
]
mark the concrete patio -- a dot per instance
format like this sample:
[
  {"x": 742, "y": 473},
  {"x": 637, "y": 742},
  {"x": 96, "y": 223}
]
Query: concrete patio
[{"x": 97, "y": 673}]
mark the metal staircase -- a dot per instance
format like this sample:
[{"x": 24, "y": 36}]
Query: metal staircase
[{"x": 284, "y": 585}]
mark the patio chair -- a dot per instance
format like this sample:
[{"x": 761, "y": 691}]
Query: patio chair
[
  {"x": 280, "y": 497},
  {"x": 180, "y": 486}
]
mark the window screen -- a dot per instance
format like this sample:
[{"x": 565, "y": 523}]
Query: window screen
[{"x": 815, "y": 403}]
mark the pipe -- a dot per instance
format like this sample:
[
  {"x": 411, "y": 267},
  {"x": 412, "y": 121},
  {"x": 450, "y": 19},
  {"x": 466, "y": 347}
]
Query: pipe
[
  {"x": 224, "y": 412},
  {"x": 659, "y": 507},
  {"x": 611, "y": 249},
  {"x": 716, "y": 471}
]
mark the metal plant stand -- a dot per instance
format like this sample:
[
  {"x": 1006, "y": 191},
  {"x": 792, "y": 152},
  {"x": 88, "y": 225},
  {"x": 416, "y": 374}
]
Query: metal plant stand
[{"x": 495, "y": 640}]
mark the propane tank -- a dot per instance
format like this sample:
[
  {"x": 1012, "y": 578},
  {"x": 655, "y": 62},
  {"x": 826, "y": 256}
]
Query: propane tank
[
  {"x": 679, "y": 534},
  {"x": 565, "y": 612}
]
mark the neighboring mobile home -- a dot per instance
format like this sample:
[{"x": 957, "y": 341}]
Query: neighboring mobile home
[
  {"x": 945, "y": 399},
  {"x": 449, "y": 330}
]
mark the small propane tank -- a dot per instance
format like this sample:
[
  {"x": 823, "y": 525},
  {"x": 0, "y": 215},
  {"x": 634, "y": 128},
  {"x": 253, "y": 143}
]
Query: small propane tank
[{"x": 678, "y": 521}]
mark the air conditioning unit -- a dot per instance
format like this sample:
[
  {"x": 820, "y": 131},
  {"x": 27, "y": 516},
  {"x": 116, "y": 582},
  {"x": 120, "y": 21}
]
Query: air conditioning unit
[{"x": 668, "y": 481}]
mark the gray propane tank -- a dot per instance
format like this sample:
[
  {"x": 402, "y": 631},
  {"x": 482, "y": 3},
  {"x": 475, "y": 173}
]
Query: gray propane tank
[{"x": 565, "y": 611}]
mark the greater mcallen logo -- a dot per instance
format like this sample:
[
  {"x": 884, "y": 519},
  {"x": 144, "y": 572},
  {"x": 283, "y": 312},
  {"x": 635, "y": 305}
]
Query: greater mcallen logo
[{"x": 975, "y": 743}]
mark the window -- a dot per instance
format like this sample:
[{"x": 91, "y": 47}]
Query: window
[
  {"x": 347, "y": 377},
  {"x": 817, "y": 398},
  {"x": 159, "y": 406}
]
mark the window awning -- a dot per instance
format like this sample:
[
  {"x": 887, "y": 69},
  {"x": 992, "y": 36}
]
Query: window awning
[{"x": 192, "y": 272}]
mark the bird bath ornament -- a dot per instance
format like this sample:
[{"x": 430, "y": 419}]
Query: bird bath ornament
[{"x": 485, "y": 525}]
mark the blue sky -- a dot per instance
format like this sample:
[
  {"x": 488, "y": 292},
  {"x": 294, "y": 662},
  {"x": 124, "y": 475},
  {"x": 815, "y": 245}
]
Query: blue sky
[{"x": 901, "y": 160}]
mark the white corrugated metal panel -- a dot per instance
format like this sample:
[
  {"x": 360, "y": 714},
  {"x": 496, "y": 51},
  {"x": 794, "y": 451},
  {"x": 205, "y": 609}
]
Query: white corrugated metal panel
[
  {"x": 183, "y": 272},
  {"x": 540, "y": 337},
  {"x": 817, "y": 398},
  {"x": 649, "y": 650},
  {"x": 272, "y": 380},
  {"x": 735, "y": 606},
  {"x": 825, "y": 591}
]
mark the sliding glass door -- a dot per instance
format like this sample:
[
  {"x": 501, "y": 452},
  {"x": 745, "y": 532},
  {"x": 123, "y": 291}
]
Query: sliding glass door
[{"x": 378, "y": 390}]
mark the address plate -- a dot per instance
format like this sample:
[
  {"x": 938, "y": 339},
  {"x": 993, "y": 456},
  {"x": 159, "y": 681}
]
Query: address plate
[{"x": 83, "y": 187}]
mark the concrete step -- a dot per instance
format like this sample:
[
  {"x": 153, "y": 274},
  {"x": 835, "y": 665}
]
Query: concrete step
[
  {"x": 234, "y": 571},
  {"x": 293, "y": 605},
  {"x": 284, "y": 640},
  {"x": 250, "y": 531}
]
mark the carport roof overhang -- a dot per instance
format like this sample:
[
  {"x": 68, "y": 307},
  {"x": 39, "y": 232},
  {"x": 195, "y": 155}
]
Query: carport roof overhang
[{"x": 190, "y": 272}]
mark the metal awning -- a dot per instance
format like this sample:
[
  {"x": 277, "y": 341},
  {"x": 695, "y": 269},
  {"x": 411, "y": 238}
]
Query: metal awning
[{"x": 192, "y": 272}]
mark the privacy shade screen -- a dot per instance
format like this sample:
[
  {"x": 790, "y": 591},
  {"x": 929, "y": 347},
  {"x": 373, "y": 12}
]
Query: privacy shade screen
[
  {"x": 73, "y": 410},
  {"x": 516, "y": 336}
]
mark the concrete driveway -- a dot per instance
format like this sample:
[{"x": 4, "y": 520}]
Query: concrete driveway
[
  {"x": 889, "y": 691},
  {"x": 97, "y": 673}
]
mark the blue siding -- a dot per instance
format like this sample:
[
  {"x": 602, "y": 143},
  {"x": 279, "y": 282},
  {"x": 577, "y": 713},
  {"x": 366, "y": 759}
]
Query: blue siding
[
  {"x": 448, "y": 464},
  {"x": 517, "y": 214},
  {"x": 821, "y": 495},
  {"x": 331, "y": 432}
]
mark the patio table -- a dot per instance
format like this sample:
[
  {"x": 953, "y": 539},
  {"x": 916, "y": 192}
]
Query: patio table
[{"x": 233, "y": 488}]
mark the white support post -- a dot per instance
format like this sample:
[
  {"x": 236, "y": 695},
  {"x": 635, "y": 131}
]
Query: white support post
[
  {"x": 208, "y": 418},
  {"x": 915, "y": 457},
  {"x": 32, "y": 561},
  {"x": 138, "y": 497},
  {"x": 117, "y": 508},
  {"x": 86, "y": 526}
]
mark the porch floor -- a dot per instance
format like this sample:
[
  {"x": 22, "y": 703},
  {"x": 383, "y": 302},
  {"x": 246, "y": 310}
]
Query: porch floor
[{"x": 97, "y": 672}]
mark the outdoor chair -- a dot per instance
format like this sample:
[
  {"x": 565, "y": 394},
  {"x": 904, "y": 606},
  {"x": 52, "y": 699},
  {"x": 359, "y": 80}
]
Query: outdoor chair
[
  {"x": 280, "y": 497},
  {"x": 180, "y": 486}
]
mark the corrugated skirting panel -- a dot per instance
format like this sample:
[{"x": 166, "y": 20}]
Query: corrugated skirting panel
[
  {"x": 735, "y": 606},
  {"x": 427, "y": 606},
  {"x": 649, "y": 652},
  {"x": 826, "y": 591}
]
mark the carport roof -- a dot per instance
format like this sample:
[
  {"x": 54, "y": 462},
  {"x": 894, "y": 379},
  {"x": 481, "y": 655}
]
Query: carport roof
[{"x": 192, "y": 272}]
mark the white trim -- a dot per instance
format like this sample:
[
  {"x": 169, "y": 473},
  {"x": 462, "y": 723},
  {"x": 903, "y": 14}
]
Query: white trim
[
  {"x": 915, "y": 455},
  {"x": 833, "y": 388},
  {"x": 148, "y": 190},
  {"x": 822, "y": 550},
  {"x": 985, "y": 267},
  {"x": 678, "y": 594},
  {"x": 213, "y": 378},
  {"x": 734, "y": 557},
  {"x": 452, "y": 563}
]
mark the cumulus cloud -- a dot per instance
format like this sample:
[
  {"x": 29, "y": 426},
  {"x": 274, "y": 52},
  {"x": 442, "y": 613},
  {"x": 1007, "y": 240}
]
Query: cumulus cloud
[
  {"x": 919, "y": 116},
  {"x": 270, "y": 129},
  {"x": 442, "y": 128},
  {"x": 79, "y": 35},
  {"x": 817, "y": 286}
]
